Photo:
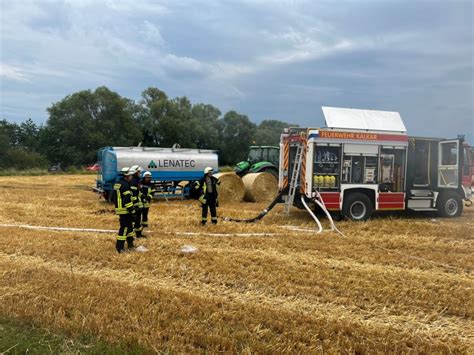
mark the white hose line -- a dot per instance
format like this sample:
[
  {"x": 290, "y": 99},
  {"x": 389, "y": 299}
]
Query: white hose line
[
  {"x": 331, "y": 222},
  {"x": 323, "y": 206},
  {"x": 298, "y": 229},
  {"x": 325, "y": 210},
  {"x": 226, "y": 234},
  {"x": 333, "y": 225},
  {"x": 90, "y": 230},
  {"x": 320, "y": 227},
  {"x": 27, "y": 226}
]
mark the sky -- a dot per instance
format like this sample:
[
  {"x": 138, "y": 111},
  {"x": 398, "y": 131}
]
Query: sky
[{"x": 266, "y": 59}]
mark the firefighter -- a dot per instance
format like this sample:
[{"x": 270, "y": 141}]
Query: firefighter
[
  {"x": 137, "y": 200},
  {"x": 147, "y": 194},
  {"x": 207, "y": 189},
  {"x": 122, "y": 197}
]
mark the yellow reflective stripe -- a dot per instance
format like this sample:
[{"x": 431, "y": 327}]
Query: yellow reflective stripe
[
  {"x": 128, "y": 192},
  {"x": 133, "y": 187},
  {"x": 128, "y": 205},
  {"x": 119, "y": 199},
  {"x": 117, "y": 186},
  {"x": 121, "y": 211}
]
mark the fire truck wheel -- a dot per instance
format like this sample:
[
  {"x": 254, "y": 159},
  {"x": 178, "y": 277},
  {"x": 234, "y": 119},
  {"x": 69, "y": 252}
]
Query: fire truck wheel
[
  {"x": 357, "y": 207},
  {"x": 449, "y": 205}
]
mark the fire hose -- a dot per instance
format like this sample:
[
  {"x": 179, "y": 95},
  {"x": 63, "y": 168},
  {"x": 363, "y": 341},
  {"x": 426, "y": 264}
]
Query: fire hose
[{"x": 261, "y": 214}]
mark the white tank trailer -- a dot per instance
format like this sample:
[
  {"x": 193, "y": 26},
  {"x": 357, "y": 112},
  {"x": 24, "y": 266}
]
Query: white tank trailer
[{"x": 168, "y": 166}]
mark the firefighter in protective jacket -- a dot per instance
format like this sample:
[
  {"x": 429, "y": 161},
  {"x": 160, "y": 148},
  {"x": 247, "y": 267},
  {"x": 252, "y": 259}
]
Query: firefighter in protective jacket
[
  {"x": 137, "y": 200},
  {"x": 207, "y": 189},
  {"x": 122, "y": 197},
  {"x": 147, "y": 194}
]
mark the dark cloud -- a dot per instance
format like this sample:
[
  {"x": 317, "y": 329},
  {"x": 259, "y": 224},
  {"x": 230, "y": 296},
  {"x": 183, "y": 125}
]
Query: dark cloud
[{"x": 280, "y": 60}]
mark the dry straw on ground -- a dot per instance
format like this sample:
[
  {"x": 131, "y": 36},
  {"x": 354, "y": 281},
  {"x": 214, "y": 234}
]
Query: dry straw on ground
[
  {"x": 231, "y": 188},
  {"x": 283, "y": 291},
  {"x": 260, "y": 187}
]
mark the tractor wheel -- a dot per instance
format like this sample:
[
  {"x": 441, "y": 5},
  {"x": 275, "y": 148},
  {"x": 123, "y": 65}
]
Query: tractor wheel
[
  {"x": 357, "y": 207},
  {"x": 449, "y": 205}
]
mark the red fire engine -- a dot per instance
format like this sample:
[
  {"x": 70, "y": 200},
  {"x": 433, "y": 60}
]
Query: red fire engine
[{"x": 364, "y": 161}]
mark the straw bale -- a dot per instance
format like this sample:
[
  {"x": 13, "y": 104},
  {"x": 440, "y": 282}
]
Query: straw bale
[
  {"x": 260, "y": 187},
  {"x": 231, "y": 188}
]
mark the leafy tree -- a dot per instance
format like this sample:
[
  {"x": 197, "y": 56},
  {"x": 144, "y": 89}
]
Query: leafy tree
[
  {"x": 85, "y": 121},
  {"x": 235, "y": 137},
  {"x": 206, "y": 126},
  {"x": 18, "y": 144},
  {"x": 150, "y": 110},
  {"x": 176, "y": 126},
  {"x": 268, "y": 132},
  {"x": 28, "y": 134},
  {"x": 8, "y": 134}
]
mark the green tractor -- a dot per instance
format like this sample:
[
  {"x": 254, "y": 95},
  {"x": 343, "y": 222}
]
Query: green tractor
[{"x": 260, "y": 159}]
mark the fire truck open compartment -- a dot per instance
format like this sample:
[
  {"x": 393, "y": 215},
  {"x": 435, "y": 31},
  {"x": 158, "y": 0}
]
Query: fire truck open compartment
[
  {"x": 358, "y": 164},
  {"x": 326, "y": 166}
]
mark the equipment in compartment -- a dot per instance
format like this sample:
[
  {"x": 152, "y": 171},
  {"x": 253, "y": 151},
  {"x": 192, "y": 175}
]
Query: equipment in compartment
[
  {"x": 346, "y": 170},
  {"x": 370, "y": 170},
  {"x": 326, "y": 167},
  {"x": 387, "y": 162}
]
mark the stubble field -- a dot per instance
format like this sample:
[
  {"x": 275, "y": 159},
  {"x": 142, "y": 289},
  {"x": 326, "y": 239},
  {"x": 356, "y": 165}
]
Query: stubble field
[{"x": 393, "y": 284}]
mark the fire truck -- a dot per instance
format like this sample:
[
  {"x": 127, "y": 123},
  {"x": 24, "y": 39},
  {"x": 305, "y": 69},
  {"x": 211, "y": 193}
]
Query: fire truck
[{"x": 363, "y": 161}]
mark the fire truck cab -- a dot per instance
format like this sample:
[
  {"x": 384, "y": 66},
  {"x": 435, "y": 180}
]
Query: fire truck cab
[{"x": 364, "y": 161}]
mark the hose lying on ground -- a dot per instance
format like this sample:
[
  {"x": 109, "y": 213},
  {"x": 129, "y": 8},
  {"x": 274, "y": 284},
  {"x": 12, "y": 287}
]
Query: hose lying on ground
[{"x": 261, "y": 214}]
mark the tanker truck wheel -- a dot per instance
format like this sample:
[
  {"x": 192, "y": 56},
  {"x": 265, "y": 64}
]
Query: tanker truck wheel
[
  {"x": 449, "y": 205},
  {"x": 107, "y": 196},
  {"x": 357, "y": 207}
]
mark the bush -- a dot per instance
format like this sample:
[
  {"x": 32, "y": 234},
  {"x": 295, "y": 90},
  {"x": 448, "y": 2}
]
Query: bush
[{"x": 22, "y": 159}]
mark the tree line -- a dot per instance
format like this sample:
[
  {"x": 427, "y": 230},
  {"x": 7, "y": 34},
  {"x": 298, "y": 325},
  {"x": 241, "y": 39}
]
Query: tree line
[{"x": 85, "y": 121}]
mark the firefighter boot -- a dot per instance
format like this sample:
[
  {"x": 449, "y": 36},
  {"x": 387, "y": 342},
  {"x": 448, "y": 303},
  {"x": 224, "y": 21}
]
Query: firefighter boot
[
  {"x": 130, "y": 243},
  {"x": 120, "y": 246},
  {"x": 139, "y": 234}
]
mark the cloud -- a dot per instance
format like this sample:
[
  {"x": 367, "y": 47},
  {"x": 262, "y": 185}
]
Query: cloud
[
  {"x": 279, "y": 59},
  {"x": 13, "y": 73}
]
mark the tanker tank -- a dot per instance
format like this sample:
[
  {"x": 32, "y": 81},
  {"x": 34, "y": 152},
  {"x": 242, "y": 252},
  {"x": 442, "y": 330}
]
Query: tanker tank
[{"x": 168, "y": 166}]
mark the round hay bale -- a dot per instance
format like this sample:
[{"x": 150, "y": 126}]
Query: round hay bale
[
  {"x": 260, "y": 187},
  {"x": 231, "y": 188}
]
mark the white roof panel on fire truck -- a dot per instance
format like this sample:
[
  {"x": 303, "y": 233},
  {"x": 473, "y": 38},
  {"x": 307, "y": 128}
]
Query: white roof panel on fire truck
[{"x": 349, "y": 118}]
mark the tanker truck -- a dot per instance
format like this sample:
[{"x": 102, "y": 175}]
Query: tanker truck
[{"x": 168, "y": 166}]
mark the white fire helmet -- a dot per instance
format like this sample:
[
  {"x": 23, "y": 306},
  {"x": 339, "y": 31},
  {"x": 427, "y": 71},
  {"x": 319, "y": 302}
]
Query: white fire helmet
[
  {"x": 147, "y": 174},
  {"x": 125, "y": 171},
  {"x": 208, "y": 170},
  {"x": 135, "y": 169}
]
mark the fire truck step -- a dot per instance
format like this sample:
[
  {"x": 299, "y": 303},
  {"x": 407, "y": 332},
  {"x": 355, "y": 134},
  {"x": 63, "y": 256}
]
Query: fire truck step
[
  {"x": 422, "y": 209},
  {"x": 421, "y": 193}
]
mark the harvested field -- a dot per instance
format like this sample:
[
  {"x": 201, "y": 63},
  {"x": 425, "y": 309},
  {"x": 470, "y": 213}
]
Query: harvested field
[{"x": 395, "y": 284}]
